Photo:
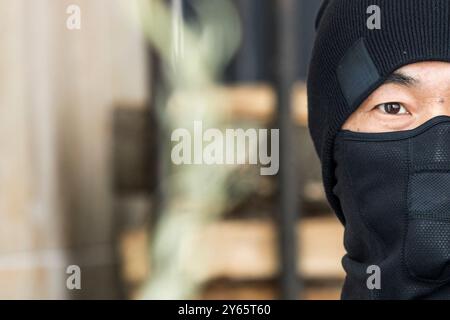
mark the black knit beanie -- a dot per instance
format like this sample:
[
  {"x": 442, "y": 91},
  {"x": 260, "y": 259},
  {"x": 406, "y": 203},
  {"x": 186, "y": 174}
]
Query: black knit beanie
[{"x": 350, "y": 61}]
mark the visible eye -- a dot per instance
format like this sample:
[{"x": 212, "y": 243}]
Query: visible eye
[{"x": 392, "y": 108}]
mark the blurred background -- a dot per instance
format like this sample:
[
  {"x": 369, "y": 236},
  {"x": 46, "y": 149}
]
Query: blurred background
[{"x": 86, "y": 178}]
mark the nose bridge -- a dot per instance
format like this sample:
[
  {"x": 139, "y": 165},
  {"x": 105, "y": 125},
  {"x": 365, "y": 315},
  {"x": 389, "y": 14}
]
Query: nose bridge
[
  {"x": 440, "y": 105},
  {"x": 446, "y": 107}
]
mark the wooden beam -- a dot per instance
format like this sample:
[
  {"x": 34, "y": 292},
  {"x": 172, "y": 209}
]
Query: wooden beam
[
  {"x": 246, "y": 250},
  {"x": 255, "y": 102}
]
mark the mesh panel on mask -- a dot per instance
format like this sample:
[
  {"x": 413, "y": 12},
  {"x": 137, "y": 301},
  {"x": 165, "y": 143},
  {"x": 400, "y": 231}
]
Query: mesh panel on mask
[
  {"x": 427, "y": 246},
  {"x": 430, "y": 195},
  {"x": 431, "y": 151},
  {"x": 428, "y": 249}
]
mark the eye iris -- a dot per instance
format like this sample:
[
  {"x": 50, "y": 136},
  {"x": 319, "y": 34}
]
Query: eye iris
[{"x": 392, "y": 108}]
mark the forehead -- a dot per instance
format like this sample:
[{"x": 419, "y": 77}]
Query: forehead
[{"x": 427, "y": 72}]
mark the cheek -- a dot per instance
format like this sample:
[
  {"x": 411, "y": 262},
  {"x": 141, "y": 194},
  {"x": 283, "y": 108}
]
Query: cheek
[
  {"x": 433, "y": 110},
  {"x": 427, "y": 116},
  {"x": 360, "y": 121},
  {"x": 388, "y": 123},
  {"x": 376, "y": 122}
]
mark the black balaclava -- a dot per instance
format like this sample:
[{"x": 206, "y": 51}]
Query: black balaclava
[{"x": 390, "y": 190}]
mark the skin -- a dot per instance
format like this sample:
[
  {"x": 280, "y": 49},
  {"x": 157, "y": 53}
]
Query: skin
[{"x": 411, "y": 96}]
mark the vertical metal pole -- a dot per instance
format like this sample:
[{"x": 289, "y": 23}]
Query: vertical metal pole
[
  {"x": 249, "y": 65},
  {"x": 286, "y": 34}
]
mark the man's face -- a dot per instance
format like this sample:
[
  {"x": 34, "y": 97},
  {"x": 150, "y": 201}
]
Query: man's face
[{"x": 410, "y": 97}]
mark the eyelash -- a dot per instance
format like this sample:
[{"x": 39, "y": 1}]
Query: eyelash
[{"x": 382, "y": 108}]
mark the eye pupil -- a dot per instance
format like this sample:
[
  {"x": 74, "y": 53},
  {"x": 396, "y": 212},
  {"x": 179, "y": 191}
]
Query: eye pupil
[{"x": 392, "y": 108}]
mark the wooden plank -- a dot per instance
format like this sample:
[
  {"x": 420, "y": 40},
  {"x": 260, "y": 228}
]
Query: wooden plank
[
  {"x": 240, "y": 102},
  {"x": 247, "y": 249},
  {"x": 300, "y": 104},
  {"x": 252, "y": 102},
  {"x": 256, "y": 102},
  {"x": 228, "y": 290}
]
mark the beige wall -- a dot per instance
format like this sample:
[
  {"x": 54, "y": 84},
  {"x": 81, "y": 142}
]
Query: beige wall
[{"x": 57, "y": 92}]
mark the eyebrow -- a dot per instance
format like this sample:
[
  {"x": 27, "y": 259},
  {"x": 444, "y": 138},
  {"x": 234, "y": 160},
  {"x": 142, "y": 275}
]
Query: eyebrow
[{"x": 401, "y": 79}]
